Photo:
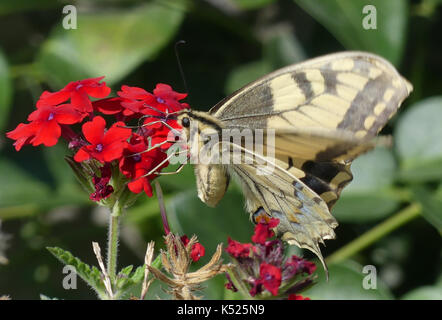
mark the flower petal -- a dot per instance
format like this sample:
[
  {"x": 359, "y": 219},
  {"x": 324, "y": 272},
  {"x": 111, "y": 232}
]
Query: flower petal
[
  {"x": 47, "y": 134},
  {"x": 94, "y": 130}
]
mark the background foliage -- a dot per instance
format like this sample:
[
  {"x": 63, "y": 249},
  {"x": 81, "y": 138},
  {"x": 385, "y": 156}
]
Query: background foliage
[{"x": 228, "y": 44}]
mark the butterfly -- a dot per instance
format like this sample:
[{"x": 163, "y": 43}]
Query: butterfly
[{"x": 322, "y": 114}]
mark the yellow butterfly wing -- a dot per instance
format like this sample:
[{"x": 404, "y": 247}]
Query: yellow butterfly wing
[
  {"x": 350, "y": 91},
  {"x": 325, "y": 112}
]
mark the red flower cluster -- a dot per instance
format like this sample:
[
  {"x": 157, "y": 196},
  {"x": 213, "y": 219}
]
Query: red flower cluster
[
  {"x": 139, "y": 153},
  {"x": 262, "y": 265},
  {"x": 198, "y": 250}
]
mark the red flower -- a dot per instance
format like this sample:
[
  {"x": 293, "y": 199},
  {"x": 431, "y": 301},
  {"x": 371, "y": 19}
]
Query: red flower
[
  {"x": 164, "y": 95},
  {"x": 270, "y": 277},
  {"x": 133, "y": 99},
  {"x": 237, "y": 249},
  {"x": 136, "y": 163},
  {"x": 295, "y": 296},
  {"x": 198, "y": 250},
  {"x": 78, "y": 92},
  {"x": 156, "y": 107},
  {"x": 45, "y": 125},
  {"x": 102, "y": 188},
  {"x": 108, "y": 105},
  {"x": 263, "y": 230},
  {"x": 105, "y": 146}
]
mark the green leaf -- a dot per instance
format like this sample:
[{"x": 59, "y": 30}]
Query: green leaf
[
  {"x": 344, "y": 20},
  {"x": 252, "y": 4},
  {"x": 126, "y": 271},
  {"x": 126, "y": 281},
  {"x": 119, "y": 43},
  {"x": 424, "y": 293},
  {"x": 431, "y": 205},
  {"x": 5, "y": 91},
  {"x": 92, "y": 276},
  {"x": 8, "y": 7},
  {"x": 20, "y": 193},
  {"x": 281, "y": 47},
  {"x": 418, "y": 141},
  {"x": 245, "y": 74},
  {"x": 370, "y": 195},
  {"x": 138, "y": 275},
  {"x": 346, "y": 283}
]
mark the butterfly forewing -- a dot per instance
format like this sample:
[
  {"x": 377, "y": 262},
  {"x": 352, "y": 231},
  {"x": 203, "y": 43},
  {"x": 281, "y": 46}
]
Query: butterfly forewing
[{"x": 350, "y": 91}]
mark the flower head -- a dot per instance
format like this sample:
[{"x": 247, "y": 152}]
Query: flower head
[
  {"x": 262, "y": 265},
  {"x": 104, "y": 146},
  {"x": 176, "y": 262},
  {"x": 138, "y": 151}
]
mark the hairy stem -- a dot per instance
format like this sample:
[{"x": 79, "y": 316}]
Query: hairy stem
[
  {"x": 112, "y": 244},
  {"x": 371, "y": 236}
]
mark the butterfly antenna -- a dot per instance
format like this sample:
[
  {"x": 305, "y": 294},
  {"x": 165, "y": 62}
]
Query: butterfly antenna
[{"x": 180, "y": 67}]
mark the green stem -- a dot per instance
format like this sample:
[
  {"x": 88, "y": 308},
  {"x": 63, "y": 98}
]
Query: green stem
[
  {"x": 371, "y": 236},
  {"x": 112, "y": 241},
  {"x": 239, "y": 285}
]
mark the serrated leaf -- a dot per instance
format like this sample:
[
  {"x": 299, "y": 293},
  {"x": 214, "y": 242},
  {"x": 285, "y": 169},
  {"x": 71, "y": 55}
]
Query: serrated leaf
[
  {"x": 121, "y": 40},
  {"x": 126, "y": 271},
  {"x": 344, "y": 19},
  {"x": 138, "y": 274},
  {"x": 91, "y": 275},
  {"x": 125, "y": 284},
  {"x": 418, "y": 141}
]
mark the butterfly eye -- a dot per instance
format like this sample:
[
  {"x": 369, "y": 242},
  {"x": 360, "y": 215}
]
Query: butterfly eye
[{"x": 185, "y": 122}]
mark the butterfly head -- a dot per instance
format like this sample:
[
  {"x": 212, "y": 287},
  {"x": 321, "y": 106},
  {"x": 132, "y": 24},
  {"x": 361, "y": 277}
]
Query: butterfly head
[{"x": 196, "y": 123}]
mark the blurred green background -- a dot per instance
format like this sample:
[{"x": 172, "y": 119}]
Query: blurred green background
[{"x": 228, "y": 43}]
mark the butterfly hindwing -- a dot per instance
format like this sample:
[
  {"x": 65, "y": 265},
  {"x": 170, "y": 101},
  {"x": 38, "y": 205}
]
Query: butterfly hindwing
[
  {"x": 304, "y": 216},
  {"x": 326, "y": 179}
]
